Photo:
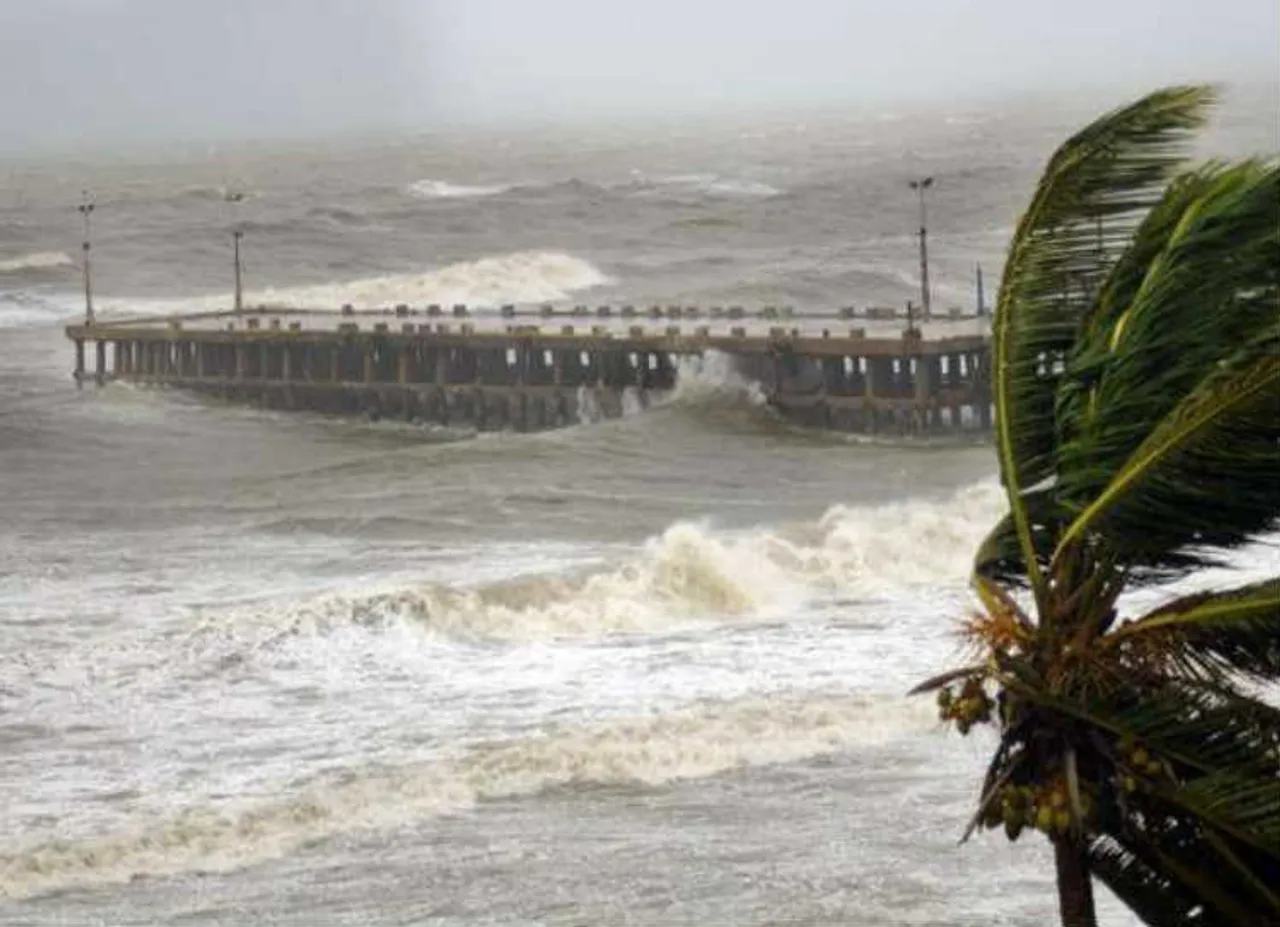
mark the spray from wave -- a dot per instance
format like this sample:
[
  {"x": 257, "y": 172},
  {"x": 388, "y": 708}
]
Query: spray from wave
[
  {"x": 39, "y": 260},
  {"x": 429, "y": 189},
  {"x": 712, "y": 378},
  {"x": 700, "y": 741}
]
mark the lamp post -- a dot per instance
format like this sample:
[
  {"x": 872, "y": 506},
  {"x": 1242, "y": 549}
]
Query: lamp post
[
  {"x": 920, "y": 185},
  {"x": 86, "y": 211},
  {"x": 236, "y": 234}
]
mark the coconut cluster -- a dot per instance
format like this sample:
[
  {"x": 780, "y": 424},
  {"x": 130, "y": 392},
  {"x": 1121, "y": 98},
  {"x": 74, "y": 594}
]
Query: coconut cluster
[
  {"x": 1045, "y": 808},
  {"x": 1138, "y": 763},
  {"x": 968, "y": 707}
]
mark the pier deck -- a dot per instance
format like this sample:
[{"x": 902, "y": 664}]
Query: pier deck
[{"x": 543, "y": 367}]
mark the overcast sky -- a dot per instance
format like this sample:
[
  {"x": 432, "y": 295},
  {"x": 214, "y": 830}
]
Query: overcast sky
[{"x": 102, "y": 73}]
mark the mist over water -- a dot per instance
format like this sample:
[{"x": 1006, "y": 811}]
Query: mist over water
[{"x": 268, "y": 667}]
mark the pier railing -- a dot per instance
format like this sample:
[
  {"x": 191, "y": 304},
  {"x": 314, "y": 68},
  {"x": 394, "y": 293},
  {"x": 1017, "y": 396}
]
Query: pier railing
[{"x": 538, "y": 367}]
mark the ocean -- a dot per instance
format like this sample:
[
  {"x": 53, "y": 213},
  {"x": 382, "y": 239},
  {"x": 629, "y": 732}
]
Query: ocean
[{"x": 269, "y": 668}]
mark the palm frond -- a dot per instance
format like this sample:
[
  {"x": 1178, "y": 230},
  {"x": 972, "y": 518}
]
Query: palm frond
[
  {"x": 1158, "y": 899},
  {"x": 1215, "y": 633},
  {"x": 1202, "y": 730},
  {"x": 1246, "y": 807},
  {"x": 1204, "y": 477},
  {"x": 1196, "y": 349},
  {"x": 1093, "y": 194}
]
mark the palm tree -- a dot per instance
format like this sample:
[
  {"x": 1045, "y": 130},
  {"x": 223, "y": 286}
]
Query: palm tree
[{"x": 1137, "y": 394}]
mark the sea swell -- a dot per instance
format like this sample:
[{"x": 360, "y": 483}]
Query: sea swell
[{"x": 645, "y": 751}]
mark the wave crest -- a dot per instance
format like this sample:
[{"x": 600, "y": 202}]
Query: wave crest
[
  {"x": 688, "y": 574},
  {"x": 521, "y": 277},
  {"x": 429, "y": 189},
  {"x": 37, "y": 260}
]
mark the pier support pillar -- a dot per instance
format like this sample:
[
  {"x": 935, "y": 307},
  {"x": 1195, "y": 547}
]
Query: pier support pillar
[
  {"x": 286, "y": 374},
  {"x": 100, "y": 362},
  {"x": 879, "y": 377},
  {"x": 335, "y": 363},
  {"x": 200, "y": 349},
  {"x": 366, "y": 351},
  {"x": 78, "y": 373},
  {"x": 242, "y": 361},
  {"x": 404, "y": 365},
  {"x": 926, "y": 386}
]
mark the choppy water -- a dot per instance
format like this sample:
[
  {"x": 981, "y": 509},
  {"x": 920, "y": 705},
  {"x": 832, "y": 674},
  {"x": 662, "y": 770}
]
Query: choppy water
[{"x": 268, "y": 668}]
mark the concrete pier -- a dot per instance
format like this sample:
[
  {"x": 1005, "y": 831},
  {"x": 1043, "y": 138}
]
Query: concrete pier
[{"x": 546, "y": 367}]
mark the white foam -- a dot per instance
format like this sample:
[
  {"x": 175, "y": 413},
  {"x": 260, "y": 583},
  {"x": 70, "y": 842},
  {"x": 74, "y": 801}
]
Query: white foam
[
  {"x": 713, "y": 377},
  {"x": 529, "y": 276},
  {"x": 689, "y": 574},
  {"x": 699, "y": 741},
  {"x": 717, "y": 185},
  {"x": 38, "y": 260},
  {"x": 441, "y": 189},
  {"x": 589, "y": 410},
  {"x": 22, "y": 309}
]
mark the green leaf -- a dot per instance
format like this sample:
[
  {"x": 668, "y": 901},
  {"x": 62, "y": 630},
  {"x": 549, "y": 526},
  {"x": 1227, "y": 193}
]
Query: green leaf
[
  {"x": 1111, "y": 173},
  {"x": 1157, "y": 899},
  {"x": 1206, "y": 474},
  {"x": 1177, "y": 389},
  {"x": 1211, "y": 633}
]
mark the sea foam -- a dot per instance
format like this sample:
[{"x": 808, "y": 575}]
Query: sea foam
[{"x": 701, "y": 740}]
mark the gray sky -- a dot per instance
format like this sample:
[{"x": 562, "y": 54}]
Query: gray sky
[{"x": 102, "y": 73}]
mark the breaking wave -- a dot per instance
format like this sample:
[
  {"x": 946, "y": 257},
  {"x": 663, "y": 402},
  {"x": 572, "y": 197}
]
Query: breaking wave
[
  {"x": 39, "y": 260},
  {"x": 636, "y": 184},
  {"x": 712, "y": 378},
  {"x": 21, "y": 309},
  {"x": 700, "y": 741},
  {"x": 529, "y": 276},
  {"x": 429, "y": 189},
  {"x": 713, "y": 185},
  {"x": 690, "y": 573}
]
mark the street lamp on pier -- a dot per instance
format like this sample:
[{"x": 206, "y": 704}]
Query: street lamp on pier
[
  {"x": 920, "y": 185},
  {"x": 86, "y": 211},
  {"x": 236, "y": 234}
]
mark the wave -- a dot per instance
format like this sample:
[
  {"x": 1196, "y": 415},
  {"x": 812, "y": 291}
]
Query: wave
[
  {"x": 638, "y": 183},
  {"x": 429, "y": 189},
  {"x": 688, "y": 574},
  {"x": 216, "y": 193},
  {"x": 532, "y": 276},
  {"x": 38, "y": 260},
  {"x": 714, "y": 185},
  {"x": 697, "y": 742},
  {"x": 713, "y": 379},
  {"x": 336, "y": 215},
  {"x": 22, "y": 309}
]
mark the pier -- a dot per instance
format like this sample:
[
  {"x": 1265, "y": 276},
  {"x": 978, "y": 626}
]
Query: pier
[{"x": 531, "y": 368}]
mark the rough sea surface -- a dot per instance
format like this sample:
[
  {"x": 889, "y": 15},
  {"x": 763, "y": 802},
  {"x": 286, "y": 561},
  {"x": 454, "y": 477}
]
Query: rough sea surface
[{"x": 271, "y": 668}]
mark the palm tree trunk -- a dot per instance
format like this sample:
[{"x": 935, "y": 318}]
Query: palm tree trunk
[{"x": 1075, "y": 885}]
